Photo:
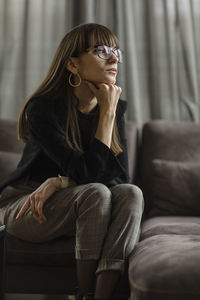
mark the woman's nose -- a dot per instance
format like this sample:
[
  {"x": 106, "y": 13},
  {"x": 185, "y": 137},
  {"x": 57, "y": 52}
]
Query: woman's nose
[{"x": 113, "y": 58}]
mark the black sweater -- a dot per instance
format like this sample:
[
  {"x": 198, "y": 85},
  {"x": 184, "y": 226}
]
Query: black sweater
[{"x": 46, "y": 153}]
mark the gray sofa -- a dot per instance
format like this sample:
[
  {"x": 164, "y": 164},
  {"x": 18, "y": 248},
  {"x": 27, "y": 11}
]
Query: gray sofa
[
  {"x": 45, "y": 268},
  {"x": 2, "y": 260},
  {"x": 166, "y": 261}
]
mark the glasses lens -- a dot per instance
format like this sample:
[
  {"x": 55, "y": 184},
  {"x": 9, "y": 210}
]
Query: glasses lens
[
  {"x": 106, "y": 52},
  {"x": 118, "y": 53}
]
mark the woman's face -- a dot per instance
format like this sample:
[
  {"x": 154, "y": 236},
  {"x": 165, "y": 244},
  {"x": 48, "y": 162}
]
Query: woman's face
[{"x": 93, "y": 68}]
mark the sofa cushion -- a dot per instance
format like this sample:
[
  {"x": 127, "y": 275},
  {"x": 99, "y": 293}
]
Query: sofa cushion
[
  {"x": 166, "y": 140},
  {"x": 166, "y": 267},
  {"x": 8, "y": 136},
  {"x": 176, "y": 225},
  {"x": 57, "y": 252},
  {"x": 8, "y": 163},
  {"x": 175, "y": 188}
]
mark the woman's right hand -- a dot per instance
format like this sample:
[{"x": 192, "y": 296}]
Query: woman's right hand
[{"x": 107, "y": 96}]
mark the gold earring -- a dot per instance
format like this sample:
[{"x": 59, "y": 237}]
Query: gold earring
[{"x": 70, "y": 80}]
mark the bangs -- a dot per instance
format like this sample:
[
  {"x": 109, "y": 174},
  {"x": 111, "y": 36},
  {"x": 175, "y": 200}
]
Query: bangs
[
  {"x": 103, "y": 36},
  {"x": 87, "y": 35}
]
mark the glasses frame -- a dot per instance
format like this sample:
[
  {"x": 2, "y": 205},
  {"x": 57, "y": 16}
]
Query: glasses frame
[{"x": 112, "y": 51}]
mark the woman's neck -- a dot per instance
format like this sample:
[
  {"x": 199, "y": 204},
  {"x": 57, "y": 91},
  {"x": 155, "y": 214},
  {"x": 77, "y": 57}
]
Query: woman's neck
[{"x": 87, "y": 101}]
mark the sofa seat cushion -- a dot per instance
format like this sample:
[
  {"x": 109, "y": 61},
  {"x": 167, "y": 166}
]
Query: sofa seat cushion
[
  {"x": 167, "y": 267},
  {"x": 58, "y": 252},
  {"x": 177, "y": 225}
]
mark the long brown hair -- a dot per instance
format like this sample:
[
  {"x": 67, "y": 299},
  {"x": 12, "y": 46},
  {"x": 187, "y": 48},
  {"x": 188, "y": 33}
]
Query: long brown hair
[{"x": 55, "y": 83}]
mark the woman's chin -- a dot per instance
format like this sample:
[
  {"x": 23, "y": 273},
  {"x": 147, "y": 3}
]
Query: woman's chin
[
  {"x": 105, "y": 80},
  {"x": 110, "y": 81}
]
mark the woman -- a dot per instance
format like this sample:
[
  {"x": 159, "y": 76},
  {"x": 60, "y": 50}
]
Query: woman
[{"x": 73, "y": 175}]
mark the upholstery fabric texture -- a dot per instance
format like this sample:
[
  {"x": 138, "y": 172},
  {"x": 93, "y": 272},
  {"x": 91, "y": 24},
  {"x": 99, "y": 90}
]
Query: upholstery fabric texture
[
  {"x": 8, "y": 162},
  {"x": 166, "y": 262},
  {"x": 166, "y": 141},
  {"x": 175, "y": 188},
  {"x": 10, "y": 147},
  {"x": 58, "y": 252}
]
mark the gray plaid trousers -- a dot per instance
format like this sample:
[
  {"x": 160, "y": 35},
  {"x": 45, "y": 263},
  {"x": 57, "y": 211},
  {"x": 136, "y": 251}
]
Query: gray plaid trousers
[{"x": 106, "y": 222}]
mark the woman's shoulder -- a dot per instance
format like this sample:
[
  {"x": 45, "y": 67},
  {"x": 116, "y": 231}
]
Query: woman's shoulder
[
  {"x": 40, "y": 106},
  {"x": 39, "y": 102},
  {"x": 45, "y": 110}
]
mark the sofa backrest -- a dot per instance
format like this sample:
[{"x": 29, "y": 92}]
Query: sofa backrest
[
  {"x": 132, "y": 145},
  {"x": 11, "y": 148},
  {"x": 169, "y": 167}
]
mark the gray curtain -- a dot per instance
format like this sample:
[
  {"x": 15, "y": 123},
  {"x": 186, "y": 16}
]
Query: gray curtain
[{"x": 160, "y": 40}]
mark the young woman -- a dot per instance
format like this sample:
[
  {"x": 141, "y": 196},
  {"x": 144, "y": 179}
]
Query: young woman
[{"x": 73, "y": 175}]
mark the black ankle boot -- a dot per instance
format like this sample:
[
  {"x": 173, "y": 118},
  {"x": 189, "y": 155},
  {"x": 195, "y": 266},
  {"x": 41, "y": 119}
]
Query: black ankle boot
[
  {"x": 80, "y": 296},
  {"x": 89, "y": 297}
]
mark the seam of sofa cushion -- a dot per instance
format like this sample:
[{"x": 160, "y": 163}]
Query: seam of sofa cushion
[{"x": 147, "y": 290}]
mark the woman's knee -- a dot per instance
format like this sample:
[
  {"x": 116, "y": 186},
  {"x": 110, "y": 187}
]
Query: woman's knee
[
  {"x": 130, "y": 196},
  {"x": 100, "y": 191},
  {"x": 95, "y": 196},
  {"x": 135, "y": 197}
]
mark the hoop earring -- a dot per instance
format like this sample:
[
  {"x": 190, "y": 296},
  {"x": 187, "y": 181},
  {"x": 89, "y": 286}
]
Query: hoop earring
[{"x": 70, "y": 80}]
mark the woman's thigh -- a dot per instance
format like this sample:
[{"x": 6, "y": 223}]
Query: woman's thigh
[
  {"x": 61, "y": 211},
  {"x": 58, "y": 210}
]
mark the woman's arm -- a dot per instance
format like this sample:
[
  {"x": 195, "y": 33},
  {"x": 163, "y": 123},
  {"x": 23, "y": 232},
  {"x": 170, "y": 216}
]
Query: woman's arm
[
  {"x": 37, "y": 199},
  {"x": 107, "y": 96}
]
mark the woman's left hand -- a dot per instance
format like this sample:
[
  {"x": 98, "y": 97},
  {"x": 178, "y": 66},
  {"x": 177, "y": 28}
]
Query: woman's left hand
[{"x": 37, "y": 199}]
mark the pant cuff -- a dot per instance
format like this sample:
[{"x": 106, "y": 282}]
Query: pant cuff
[
  {"x": 111, "y": 264},
  {"x": 85, "y": 254}
]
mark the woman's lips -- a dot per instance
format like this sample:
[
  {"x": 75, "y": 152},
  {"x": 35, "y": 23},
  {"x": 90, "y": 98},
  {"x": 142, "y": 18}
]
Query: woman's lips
[{"x": 112, "y": 70}]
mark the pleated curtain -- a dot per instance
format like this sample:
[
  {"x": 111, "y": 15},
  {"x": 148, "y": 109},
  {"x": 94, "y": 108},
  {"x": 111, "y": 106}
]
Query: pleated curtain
[{"x": 159, "y": 38}]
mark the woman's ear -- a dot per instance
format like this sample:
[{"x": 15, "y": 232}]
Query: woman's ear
[{"x": 72, "y": 65}]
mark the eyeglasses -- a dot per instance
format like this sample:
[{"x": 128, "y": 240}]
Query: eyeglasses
[{"x": 105, "y": 52}]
